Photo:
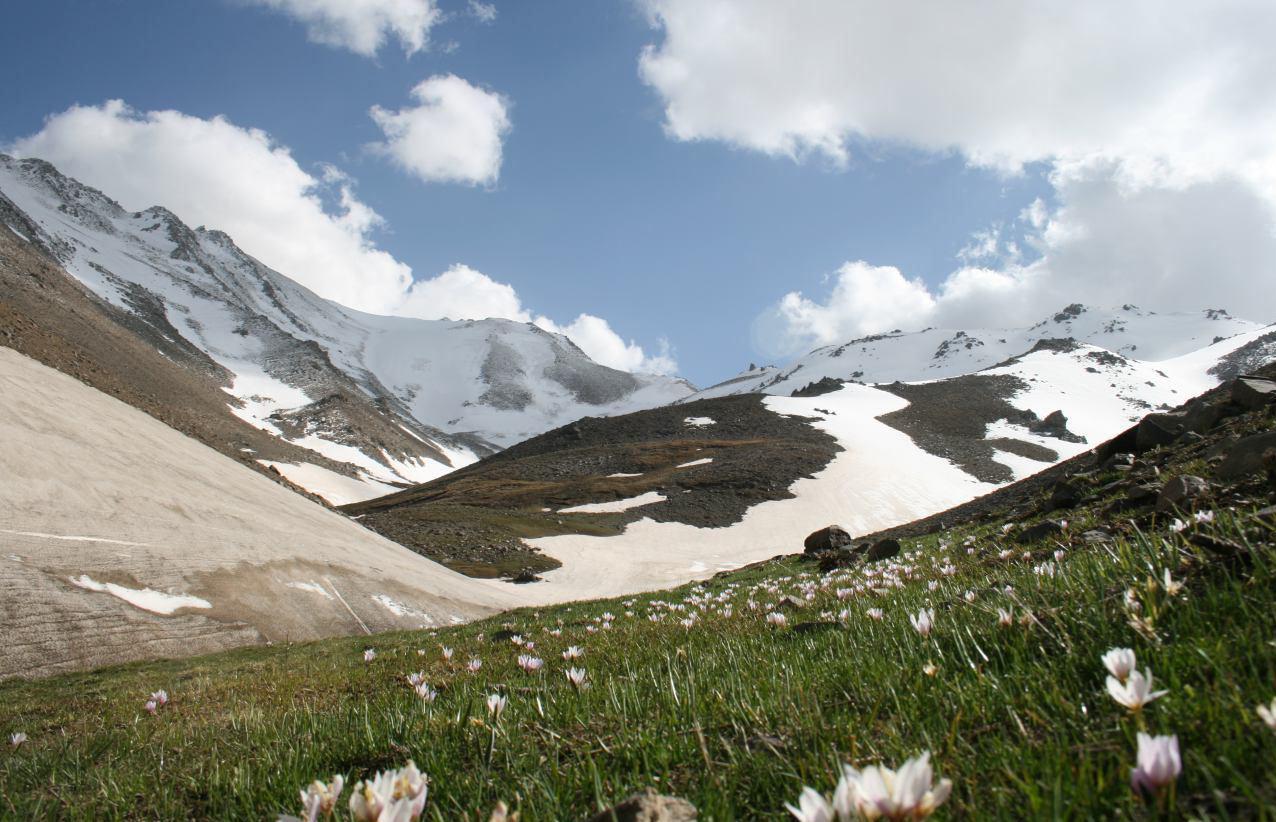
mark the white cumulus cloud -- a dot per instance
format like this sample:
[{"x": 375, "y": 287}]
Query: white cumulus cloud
[
  {"x": 212, "y": 172},
  {"x": 454, "y": 134},
  {"x": 362, "y": 26},
  {"x": 1153, "y": 117},
  {"x": 595, "y": 337}
]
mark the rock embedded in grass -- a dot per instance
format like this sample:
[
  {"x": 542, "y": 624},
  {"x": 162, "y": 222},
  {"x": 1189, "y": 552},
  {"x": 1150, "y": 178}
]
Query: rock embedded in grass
[{"x": 649, "y": 806}]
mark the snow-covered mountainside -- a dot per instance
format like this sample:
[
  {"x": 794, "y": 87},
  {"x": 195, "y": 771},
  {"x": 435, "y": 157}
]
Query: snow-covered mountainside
[
  {"x": 387, "y": 401},
  {"x": 1130, "y": 333}
]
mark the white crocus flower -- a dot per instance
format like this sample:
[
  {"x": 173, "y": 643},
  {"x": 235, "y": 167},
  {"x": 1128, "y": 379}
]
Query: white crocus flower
[
  {"x": 576, "y": 676},
  {"x": 496, "y": 705},
  {"x": 530, "y": 664},
  {"x": 923, "y": 621},
  {"x": 319, "y": 798},
  {"x": 369, "y": 655},
  {"x": 811, "y": 807},
  {"x": 1119, "y": 662},
  {"x": 1159, "y": 763},
  {"x": 875, "y": 614},
  {"x": 1005, "y": 618},
  {"x": 16, "y": 739},
  {"x": 573, "y": 652},
  {"x": 390, "y": 796},
  {"x": 1136, "y": 691},
  {"x": 777, "y": 619},
  {"x": 1265, "y": 713},
  {"x": 878, "y": 792}
]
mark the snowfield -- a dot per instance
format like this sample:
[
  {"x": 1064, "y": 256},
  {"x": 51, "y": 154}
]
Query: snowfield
[{"x": 127, "y": 540}]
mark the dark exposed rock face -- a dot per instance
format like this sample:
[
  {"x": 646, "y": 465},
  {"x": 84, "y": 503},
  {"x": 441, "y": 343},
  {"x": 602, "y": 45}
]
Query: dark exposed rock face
[{"x": 825, "y": 385}]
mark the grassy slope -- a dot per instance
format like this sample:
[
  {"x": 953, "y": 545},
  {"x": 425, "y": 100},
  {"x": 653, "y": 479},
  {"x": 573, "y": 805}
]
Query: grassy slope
[{"x": 732, "y": 714}]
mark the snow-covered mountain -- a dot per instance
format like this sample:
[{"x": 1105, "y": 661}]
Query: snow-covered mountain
[
  {"x": 1128, "y": 332},
  {"x": 381, "y": 401}
]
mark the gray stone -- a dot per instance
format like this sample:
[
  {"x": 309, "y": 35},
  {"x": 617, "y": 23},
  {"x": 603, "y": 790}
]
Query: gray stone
[
  {"x": 1253, "y": 393},
  {"x": 1181, "y": 491},
  {"x": 830, "y": 538},
  {"x": 1096, "y": 536},
  {"x": 1064, "y": 495},
  {"x": 649, "y": 806},
  {"x": 1142, "y": 494},
  {"x": 1246, "y": 455}
]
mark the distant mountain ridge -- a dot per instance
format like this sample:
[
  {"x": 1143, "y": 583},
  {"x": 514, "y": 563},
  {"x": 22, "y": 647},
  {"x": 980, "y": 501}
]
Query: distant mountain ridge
[
  {"x": 382, "y": 402},
  {"x": 1128, "y": 332}
]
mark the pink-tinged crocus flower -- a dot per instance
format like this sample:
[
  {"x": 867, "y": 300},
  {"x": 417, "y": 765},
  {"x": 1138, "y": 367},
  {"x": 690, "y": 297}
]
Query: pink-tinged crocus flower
[
  {"x": 447, "y": 653},
  {"x": 1005, "y": 618},
  {"x": 390, "y": 796},
  {"x": 576, "y": 676},
  {"x": 1203, "y": 517},
  {"x": 318, "y": 798},
  {"x": 1265, "y": 713},
  {"x": 1136, "y": 691},
  {"x": 923, "y": 621},
  {"x": 496, "y": 705},
  {"x": 878, "y": 792},
  {"x": 151, "y": 706},
  {"x": 930, "y": 669},
  {"x": 875, "y": 613},
  {"x": 160, "y": 697},
  {"x": 777, "y": 619},
  {"x": 530, "y": 664},
  {"x": 811, "y": 807},
  {"x": 427, "y": 694},
  {"x": 369, "y": 655},
  {"x": 415, "y": 679},
  {"x": 473, "y": 665},
  {"x": 1159, "y": 763},
  {"x": 1119, "y": 662},
  {"x": 573, "y": 652},
  {"x": 16, "y": 739}
]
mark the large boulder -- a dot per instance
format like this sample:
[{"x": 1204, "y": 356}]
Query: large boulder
[
  {"x": 1246, "y": 455},
  {"x": 1253, "y": 393},
  {"x": 829, "y": 538},
  {"x": 1156, "y": 430},
  {"x": 882, "y": 549},
  {"x": 649, "y": 806}
]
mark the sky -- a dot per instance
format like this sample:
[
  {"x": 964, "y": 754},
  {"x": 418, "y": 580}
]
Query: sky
[{"x": 684, "y": 186}]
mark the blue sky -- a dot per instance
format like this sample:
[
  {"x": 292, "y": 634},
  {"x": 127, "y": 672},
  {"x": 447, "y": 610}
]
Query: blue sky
[{"x": 597, "y": 208}]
